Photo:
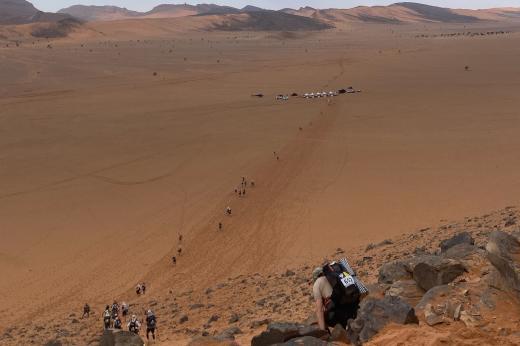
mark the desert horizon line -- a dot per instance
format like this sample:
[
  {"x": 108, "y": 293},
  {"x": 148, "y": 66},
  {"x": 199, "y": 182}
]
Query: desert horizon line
[{"x": 253, "y": 4}]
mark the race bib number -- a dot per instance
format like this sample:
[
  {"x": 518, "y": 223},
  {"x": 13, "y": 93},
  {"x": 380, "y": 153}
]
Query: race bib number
[{"x": 347, "y": 280}]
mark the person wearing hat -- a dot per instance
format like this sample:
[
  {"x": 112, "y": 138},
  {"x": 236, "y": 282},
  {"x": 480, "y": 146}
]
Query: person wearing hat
[
  {"x": 333, "y": 306},
  {"x": 320, "y": 290}
]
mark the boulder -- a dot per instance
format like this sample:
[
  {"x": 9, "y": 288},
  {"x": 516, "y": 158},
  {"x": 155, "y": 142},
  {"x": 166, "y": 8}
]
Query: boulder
[
  {"x": 305, "y": 341},
  {"x": 461, "y": 238},
  {"x": 503, "y": 251},
  {"x": 280, "y": 332},
  {"x": 392, "y": 272},
  {"x": 461, "y": 251},
  {"x": 406, "y": 290},
  {"x": 431, "y": 271},
  {"x": 435, "y": 295},
  {"x": 375, "y": 314},
  {"x": 117, "y": 337}
]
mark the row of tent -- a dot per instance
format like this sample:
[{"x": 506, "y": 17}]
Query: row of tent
[{"x": 349, "y": 90}]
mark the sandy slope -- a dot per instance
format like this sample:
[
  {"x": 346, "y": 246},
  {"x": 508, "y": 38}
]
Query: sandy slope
[{"x": 104, "y": 164}]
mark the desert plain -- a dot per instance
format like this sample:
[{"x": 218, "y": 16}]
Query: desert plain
[{"x": 121, "y": 137}]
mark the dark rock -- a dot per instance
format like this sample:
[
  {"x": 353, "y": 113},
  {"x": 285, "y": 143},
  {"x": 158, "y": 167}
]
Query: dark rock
[
  {"x": 289, "y": 273},
  {"x": 503, "y": 251},
  {"x": 233, "y": 318},
  {"x": 461, "y": 251},
  {"x": 339, "y": 334},
  {"x": 209, "y": 290},
  {"x": 183, "y": 318},
  {"x": 370, "y": 247},
  {"x": 196, "y": 306},
  {"x": 431, "y": 271},
  {"x": 406, "y": 290},
  {"x": 283, "y": 331},
  {"x": 74, "y": 321},
  {"x": 261, "y": 302},
  {"x": 385, "y": 242},
  {"x": 114, "y": 337},
  {"x": 393, "y": 271},
  {"x": 461, "y": 238},
  {"x": 213, "y": 318},
  {"x": 375, "y": 314},
  {"x": 305, "y": 341}
]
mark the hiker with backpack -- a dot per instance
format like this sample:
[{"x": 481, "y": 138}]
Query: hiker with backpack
[
  {"x": 86, "y": 310},
  {"x": 124, "y": 309},
  {"x": 138, "y": 289},
  {"x": 117, "y": 323},
  {"x": 134, "y": 325},
  {"x": 115, "y": 309},
  {"x": 106, "y": 317},
  {"x": 151, "y": 323},
  {"x": 336, "y": 295}
]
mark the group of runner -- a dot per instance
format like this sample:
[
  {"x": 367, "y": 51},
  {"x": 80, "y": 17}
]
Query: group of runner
[{"x": 115, "y": 315}]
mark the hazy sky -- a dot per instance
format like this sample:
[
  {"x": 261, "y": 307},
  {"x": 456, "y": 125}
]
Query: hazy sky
[{"x": 145, "y": 5}]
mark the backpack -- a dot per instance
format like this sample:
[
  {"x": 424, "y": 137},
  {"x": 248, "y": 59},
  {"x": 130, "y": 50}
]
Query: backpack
[
  {"x": 344, "y": 288},
  {"x": 151, "y": 321}
]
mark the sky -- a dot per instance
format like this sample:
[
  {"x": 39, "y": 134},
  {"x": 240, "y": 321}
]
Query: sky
[{"x": 146, "y": 5}]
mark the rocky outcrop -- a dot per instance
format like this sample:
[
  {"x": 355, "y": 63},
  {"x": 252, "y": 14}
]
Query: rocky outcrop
[
  {"x": 431, "y": 271},
  {"x": 114, "y": 337},
  {"x": 306, "y": 341},
  {"x": 375, "y": 314},
  {"x": 281, "y": 332},
  {"x": 461, "y": 238},
  {"x": 503, "y": 251},
  {"x": 406, "y": 290},
  {"x": 392, "y": 272}
]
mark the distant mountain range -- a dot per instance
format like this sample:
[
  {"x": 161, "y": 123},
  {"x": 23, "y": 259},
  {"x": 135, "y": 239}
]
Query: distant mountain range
[
  {"x": 22, "y": 12},
  {"x": 397, "y": 13}
]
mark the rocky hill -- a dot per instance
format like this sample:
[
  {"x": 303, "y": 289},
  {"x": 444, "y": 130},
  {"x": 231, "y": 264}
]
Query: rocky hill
[
  {"x": 455, "y": 284},
  {"x": 269, "y": 21},
  {"x": 23, "y": 12}
]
